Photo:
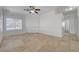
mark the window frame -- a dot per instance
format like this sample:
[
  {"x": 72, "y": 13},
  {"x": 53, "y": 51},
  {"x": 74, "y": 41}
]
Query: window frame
[{"x": 15, "y": 27}]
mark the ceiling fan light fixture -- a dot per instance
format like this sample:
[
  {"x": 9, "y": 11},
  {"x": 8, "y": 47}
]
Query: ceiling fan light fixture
[
  {"x": 69, "y": 9},
  {"x": 32, "y": 11}
]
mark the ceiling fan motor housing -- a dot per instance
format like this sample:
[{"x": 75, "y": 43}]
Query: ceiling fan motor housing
[{"x": 32, "y": 9}]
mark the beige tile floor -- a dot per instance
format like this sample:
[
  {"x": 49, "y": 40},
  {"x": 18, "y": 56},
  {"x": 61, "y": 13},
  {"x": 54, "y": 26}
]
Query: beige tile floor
[{"x": 34, "y": 42}]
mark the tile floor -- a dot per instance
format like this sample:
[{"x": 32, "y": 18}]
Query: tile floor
[{"x": 34, "y": 42}]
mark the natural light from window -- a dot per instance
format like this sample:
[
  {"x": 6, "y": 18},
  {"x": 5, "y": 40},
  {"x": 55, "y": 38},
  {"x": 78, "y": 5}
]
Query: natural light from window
[{"x": 13, "y": 24}]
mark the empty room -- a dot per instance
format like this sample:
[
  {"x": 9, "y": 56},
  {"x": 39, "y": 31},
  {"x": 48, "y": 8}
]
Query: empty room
[{"x": 39, "y": 29}]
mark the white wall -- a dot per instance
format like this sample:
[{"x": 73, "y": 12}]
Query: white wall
[
  {"x": 51, "y": 24},
  {"x": 1, "y": 22},
  {"x": 32, "y": 23},
  {"x": 66, "y": 26},
  {"x": 72, "y": 28},
  {"x": 1, "y": 25},
  {"x": 78, "y": 22},
  {"x": 48, "y": 23}
]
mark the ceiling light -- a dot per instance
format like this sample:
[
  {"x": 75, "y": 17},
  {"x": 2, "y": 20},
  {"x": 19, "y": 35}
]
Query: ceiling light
[
  {"x": 32, "y": 11},
  {"x": 70, "y": 8}
]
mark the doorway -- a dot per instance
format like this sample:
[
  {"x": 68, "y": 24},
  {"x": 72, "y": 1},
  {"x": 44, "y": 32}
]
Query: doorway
[{"x": 70, "y": 24}]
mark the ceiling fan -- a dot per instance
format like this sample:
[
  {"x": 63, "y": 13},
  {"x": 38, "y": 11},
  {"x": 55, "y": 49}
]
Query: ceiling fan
[{"x": 32, "y": 9}]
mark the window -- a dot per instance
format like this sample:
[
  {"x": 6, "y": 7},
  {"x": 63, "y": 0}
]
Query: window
[{"x": 13, "y": 24}]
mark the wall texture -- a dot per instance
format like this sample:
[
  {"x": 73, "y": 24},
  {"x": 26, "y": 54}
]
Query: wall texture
[
  {"x": 51, "y": 24},
  {"x": 32, "y": 23},
  {"x": 78, "y": 22},
  {"x": 48, "y": 23},
  {"x": 1, "y": 25},
  {"x": 1, "y": 22}
]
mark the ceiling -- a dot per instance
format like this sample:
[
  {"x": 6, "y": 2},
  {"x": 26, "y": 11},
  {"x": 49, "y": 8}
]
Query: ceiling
[
  {"x": 20, "y": 9},
  {"x": 43, "y": 9}
]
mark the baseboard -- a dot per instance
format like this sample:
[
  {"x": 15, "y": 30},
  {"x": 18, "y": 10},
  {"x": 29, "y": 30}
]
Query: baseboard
[
  {"x": 11, "y": 34},
  {"x": 53, "y": 34}
]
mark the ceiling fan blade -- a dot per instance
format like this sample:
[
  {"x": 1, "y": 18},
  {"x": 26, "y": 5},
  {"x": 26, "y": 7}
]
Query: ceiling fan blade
[
  {"x": 27, "y": 9},
  {"x": 36, "y": 12},
  {"x": 37, "y": 9},
  {"x": 30, "y": 12},
  {"x": 32, "y": 7}
]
